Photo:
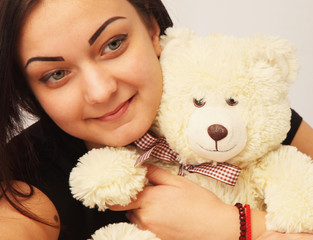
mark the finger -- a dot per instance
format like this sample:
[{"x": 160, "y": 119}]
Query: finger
[
  {"x": 158, "y": 176},
  {"x": 135, "y": 219},
  {"x": 131, "y": 217},
  {"x": 133, "y": 205}
]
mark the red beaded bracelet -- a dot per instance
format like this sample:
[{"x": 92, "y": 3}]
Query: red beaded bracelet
[
  {"x": 242, "y": 218},
  {"x": 245, "y": 221}
]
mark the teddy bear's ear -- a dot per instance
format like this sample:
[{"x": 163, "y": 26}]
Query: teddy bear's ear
[
  {"x": 173, "y": 34},
  {"x": 280, "y": 53}
]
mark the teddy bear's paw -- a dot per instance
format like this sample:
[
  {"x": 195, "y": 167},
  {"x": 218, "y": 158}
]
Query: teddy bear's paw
[
  {"x": 107, "y": 176},
  {"x": 123, "y": 231},
  {"x": 287, "y": 176}
]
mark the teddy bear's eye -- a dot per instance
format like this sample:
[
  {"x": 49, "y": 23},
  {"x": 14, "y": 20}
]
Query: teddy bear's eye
[
  {"x": 231, "y": 102},
  {"x": 199, "y": 103}
]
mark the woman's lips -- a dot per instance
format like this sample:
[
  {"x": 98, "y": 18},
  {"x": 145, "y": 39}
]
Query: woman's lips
[{"x": 117, "y": 113}]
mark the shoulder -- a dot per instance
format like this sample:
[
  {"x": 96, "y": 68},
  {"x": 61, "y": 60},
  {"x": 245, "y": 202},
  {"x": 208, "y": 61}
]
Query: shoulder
[
  {"x": 303, "y": 139},
  {"x": 295, "y": 123},
  {"x": 14, "y": 224}
]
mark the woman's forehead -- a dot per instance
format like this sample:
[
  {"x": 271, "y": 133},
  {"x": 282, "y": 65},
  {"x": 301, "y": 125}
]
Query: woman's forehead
[
  {"x": 55, "y": 20},
  {"x": 57, "y": 9}
]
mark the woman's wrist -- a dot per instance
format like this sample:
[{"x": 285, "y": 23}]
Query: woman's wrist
[
  {"x": 257, "y": 223},
  {"x": 228, "y": 223},
  {"x": 232, "y": 224}
]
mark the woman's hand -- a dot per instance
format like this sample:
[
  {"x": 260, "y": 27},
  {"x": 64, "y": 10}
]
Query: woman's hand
[
  {"x": 176, "y": 208},
  {"x": 281, "y": 236}
]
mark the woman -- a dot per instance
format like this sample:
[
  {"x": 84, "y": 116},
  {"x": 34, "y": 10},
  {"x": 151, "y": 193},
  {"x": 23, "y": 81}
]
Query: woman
[{"x": 90, "y": 71}]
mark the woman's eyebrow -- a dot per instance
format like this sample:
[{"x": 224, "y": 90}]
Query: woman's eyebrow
[
  {"x": 46, "y": 59},
  {"x": 102, "y": 27},
  {"x": 91, "y": 41}
]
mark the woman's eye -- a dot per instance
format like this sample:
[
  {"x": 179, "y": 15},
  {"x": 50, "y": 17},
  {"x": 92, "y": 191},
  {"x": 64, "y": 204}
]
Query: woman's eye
[
  {"x": 231, "y": 102},
  {"x": 113, "y": 45},
  {"x": 58, "y": 75},
  {"x": 199, "y": 102},
  {"x": 54, "y": 76}
]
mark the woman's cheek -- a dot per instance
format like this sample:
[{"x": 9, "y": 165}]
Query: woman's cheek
[{"x": 61, "y": 106}]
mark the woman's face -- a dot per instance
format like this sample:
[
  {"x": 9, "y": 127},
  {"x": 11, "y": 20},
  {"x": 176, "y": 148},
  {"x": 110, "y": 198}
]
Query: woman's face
[{"x": 93, "y": 66}]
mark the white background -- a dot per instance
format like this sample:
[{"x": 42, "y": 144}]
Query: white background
[{"x": 289, "y": 19}]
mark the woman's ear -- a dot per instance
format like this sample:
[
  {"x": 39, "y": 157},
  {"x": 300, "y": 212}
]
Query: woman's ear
[{"x": 155, "y": 36}]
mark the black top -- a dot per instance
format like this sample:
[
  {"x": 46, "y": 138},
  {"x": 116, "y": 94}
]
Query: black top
[
  {"x": 57, "y": 153},
  {"x": 296, "y": 120}
]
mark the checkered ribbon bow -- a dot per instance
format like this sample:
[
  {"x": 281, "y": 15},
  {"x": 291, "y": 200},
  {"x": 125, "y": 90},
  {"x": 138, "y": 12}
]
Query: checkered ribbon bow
[{"x": 159, "y": 148}]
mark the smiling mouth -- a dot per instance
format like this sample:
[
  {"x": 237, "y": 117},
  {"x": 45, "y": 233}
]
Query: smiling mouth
[
  {"x": 216, "y": 150},
  {"x": 116, "y": 113}
]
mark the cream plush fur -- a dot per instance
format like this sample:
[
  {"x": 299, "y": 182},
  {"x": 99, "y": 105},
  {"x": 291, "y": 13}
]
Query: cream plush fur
[{"x": 240, "y": 84}]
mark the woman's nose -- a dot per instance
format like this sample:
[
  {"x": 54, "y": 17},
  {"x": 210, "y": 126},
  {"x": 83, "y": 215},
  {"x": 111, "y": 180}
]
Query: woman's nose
[{"x": 99, "y": 85}]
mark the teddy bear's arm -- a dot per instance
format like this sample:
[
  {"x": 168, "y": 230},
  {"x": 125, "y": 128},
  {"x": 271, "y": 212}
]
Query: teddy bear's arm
[
  {"x": 107, "y": 176},
  {"x": 286, "y": 180}
]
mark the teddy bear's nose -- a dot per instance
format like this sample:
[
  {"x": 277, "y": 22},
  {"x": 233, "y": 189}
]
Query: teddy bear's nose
[{"x": 217, "y": 132}]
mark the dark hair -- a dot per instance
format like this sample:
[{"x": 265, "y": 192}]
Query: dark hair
[
  {"x": 17, "y": 96},
  {"x": 155, "y": 9}
]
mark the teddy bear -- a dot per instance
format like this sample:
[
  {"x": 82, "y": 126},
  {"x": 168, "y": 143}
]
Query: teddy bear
[{"x": 223, "y": 115}]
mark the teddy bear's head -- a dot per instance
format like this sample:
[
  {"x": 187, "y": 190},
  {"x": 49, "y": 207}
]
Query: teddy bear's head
[{"x": 225, "y": 98}]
